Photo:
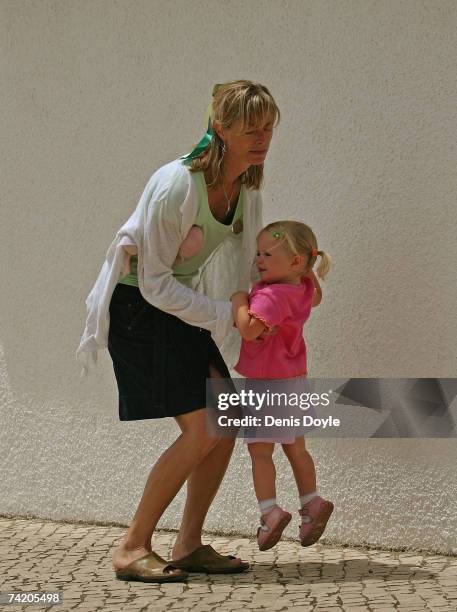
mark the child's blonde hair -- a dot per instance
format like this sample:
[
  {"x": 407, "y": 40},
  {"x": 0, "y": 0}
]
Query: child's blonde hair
[{"x": 299, "y": 239}]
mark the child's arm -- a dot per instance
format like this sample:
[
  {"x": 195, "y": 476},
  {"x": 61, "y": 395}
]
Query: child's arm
[
  {"x": 249, "y": 327},
  {"x": 317, "y": 299}
]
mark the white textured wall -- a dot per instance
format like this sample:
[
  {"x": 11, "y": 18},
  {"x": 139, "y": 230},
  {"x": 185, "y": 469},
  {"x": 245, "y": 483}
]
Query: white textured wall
[{"x": 95, "y": 96}]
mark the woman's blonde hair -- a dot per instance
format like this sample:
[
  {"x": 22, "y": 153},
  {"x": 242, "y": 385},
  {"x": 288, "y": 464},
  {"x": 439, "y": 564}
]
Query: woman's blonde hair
[
  {"x": 299, "y": 239},
  {"x": 246, "y": 100}
]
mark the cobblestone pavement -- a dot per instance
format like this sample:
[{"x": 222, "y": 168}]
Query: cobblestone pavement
[{"x": 46, "y": 556}]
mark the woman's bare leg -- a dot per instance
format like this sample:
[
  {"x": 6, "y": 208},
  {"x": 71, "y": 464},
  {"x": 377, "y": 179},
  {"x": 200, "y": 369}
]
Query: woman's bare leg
[
  {"x": 202, "y": 486},
  {"x": 165, "y": 480}
]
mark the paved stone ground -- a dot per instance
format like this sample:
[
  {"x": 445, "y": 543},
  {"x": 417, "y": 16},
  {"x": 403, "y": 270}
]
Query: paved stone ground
[{"x": 46, "y": 556}]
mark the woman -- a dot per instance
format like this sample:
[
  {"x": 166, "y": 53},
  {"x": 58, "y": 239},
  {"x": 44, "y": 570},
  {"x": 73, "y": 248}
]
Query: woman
[{"x": 162, "y": 334}]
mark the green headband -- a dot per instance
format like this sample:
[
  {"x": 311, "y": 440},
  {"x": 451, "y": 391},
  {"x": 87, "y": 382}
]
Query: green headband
[{"x": 205, "y": 141}]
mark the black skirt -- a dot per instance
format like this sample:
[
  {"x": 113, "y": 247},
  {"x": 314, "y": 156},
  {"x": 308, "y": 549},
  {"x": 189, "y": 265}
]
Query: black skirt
[{"x": 161, "y": 363}]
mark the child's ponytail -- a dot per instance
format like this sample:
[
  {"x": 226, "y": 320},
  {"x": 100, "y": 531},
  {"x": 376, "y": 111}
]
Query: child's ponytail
[{"x": 324, "y": 265}]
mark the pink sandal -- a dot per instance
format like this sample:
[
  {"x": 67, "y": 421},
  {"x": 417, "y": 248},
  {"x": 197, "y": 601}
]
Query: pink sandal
[
  {"x": 317, "y": 513},
  {"x": 272, "y": 525}
]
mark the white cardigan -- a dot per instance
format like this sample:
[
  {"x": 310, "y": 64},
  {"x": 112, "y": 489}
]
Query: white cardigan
[{"x": 160, "y": 222}]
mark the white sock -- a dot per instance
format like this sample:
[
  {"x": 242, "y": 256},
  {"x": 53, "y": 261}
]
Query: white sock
[
  {"x": 305, "y": 499},
  {"x": 267, "y": 504}
]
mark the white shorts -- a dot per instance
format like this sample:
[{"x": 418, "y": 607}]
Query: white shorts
[{"x": 281, "y": 414}]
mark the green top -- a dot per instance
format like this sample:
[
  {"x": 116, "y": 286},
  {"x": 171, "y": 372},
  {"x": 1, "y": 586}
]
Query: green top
[{"x": 214, "y": 233}]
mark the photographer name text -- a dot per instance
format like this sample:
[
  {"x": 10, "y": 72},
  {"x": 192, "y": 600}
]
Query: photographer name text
[{"x": 269, "y": 421}]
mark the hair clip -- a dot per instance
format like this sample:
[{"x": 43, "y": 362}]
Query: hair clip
[{"x": 276, "y": 234}]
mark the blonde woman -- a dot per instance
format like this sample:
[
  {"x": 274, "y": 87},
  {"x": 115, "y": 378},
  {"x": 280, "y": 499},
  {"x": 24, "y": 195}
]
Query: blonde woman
[{"x": 162, "y": 335}]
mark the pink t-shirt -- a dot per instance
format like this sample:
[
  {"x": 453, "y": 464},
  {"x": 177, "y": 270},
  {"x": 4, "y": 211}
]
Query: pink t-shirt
[{"x": 283, "y": 354}]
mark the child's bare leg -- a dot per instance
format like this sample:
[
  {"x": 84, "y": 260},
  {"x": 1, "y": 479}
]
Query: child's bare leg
[
  {"x": 273, "y": 519},
  {"x": 263, "y": 469},
  {"x": 314, "y": 511},
  {"x": 302, "y": 466}
]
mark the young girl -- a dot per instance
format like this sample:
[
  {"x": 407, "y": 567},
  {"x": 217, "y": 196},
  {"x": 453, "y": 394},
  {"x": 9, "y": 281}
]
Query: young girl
[{"x": 281, "y": 303}]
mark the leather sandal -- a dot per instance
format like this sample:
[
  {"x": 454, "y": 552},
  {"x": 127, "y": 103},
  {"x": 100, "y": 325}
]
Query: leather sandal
[
  {"x": 206, "y": 560},
  {"x": 151, "y": 568}
]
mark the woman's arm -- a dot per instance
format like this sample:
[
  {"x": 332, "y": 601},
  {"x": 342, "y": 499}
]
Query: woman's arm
[
  {"x": 249, "y": 327},
  {"x": 158, "y": 228}
]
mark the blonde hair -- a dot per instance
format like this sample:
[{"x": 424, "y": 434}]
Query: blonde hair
[
  {"x": 299, "y": 239},
  {"x": 246, "y": 100}
]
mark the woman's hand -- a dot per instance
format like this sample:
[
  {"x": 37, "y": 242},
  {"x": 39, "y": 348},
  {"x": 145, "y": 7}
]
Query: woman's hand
[{"x": 272, "y": 331}]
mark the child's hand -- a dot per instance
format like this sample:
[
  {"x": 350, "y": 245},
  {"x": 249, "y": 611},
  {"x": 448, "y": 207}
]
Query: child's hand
[
  {"x": 240, "y": 297},
  {"x": 237, "y": 294}
]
